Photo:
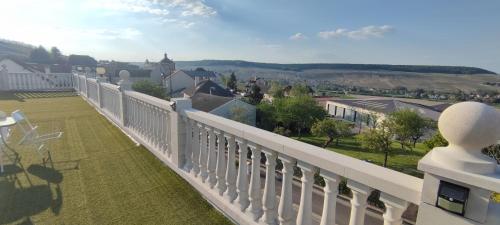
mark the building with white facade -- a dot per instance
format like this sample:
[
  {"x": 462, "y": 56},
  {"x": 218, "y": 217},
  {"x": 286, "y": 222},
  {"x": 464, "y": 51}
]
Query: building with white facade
[{"x": 184, "y": 79}]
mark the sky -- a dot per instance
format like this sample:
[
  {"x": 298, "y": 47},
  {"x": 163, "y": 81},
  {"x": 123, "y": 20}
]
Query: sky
[{"x": 425, "y": 32}]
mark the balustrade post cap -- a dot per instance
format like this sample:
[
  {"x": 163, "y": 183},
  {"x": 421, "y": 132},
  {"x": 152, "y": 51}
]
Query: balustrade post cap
[
  {"x": 124, "y": 74},
  {"x": 470, "y": 126}
]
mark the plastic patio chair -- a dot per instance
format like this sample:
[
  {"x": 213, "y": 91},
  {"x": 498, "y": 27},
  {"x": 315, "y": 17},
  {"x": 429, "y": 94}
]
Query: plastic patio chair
[{"x": 31, "y": 136}]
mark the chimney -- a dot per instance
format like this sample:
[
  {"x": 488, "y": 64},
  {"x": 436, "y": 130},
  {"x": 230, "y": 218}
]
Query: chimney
[{"x": 165, "y": 55}]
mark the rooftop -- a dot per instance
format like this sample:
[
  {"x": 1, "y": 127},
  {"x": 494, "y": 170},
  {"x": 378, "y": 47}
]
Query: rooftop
[{"x": 98, "y": 175}]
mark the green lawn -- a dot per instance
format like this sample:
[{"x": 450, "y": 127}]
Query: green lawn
[
  {"x": 98, "y": 175},
  {"x": 403, "y": 161}
]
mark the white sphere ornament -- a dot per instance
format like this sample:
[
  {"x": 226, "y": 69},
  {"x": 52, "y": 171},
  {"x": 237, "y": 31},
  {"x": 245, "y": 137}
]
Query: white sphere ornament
[
  {"x": 468, "y": 127},
  {"x": 124, "y": 74}
]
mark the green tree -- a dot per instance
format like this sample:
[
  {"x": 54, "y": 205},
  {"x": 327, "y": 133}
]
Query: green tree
[
  {"x": 379, "y": 139},
  {"x": 232, "y": 83},
  {"x": 276, "y": 90},
  {"x": 56, "y": 55},
  {"x": 494, "y": 152},
  {"x": 332, "y": 129},
  {"x": 255, "y": 95},
  {"x": 266, "y": 116},
  {"x": 149, "y": 88},
  {"x": 409, "y": 126},
  {"x": 436, "y": 141},
  {"x": 40, "y": 55},
  {"x": 299, "y": 90},
  {"x": 301, "y": 112}
]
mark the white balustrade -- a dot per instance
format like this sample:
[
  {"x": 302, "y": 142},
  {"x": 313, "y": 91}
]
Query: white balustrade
[
  {"x": 221, "y": 162},
  {"x": 223, "y": 177},
  {"x": 255, "y": 194},
  {"x": 37, "y": 81}
]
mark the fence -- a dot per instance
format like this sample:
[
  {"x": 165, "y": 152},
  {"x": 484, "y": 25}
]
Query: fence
[
  {"x": 208, "y": 151},
  {"x": 35, "y": 81}
]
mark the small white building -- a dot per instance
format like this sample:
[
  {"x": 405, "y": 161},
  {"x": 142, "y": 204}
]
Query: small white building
[{"x": 363, "y": 111}]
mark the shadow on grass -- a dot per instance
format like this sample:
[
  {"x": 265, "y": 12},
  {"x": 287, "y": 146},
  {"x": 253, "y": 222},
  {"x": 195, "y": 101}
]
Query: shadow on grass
[
  {"x": 10, "y": 96},
  {"x": 46, "y": 173},
  {"x": 21, "y": 203}
]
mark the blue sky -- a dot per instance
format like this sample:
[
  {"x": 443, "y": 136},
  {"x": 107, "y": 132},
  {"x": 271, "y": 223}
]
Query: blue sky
[{"x": 437, "y": 32}]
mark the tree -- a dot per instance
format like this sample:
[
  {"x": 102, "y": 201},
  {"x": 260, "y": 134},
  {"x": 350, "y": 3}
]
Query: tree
[
  {"x": 232, "y": 83},
  {"x": 149, "y": 88},
  {"x": 276, "y": 90},
  {"x": 266, "y": 116},
  {"x": 82, "y": 60},
  {"x": 409, "y": 126},
  {"x": 40, "y": 55},
  {"x": 255, "y": 95},
  {"x": 332, "y": 129},
  {"x": 494, "y": 152},
  {"x": 379, "y": 139},
  {"x": 239, "y": 114},
  {"x": 299, "y": 90},
  {"x": 436, "y": 141},
  {"x": 56, "y": 55},
  {"x": 301, "y": 112}
]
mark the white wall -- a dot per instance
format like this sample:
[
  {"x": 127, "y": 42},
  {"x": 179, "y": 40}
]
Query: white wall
[
  {"x": 13, "y": 67},
  {"x": 179, "y": 80},
  {"x": 228, "y": 108}
]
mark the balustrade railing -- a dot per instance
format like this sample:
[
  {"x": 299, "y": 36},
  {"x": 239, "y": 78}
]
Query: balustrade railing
[
  {"x": 211, "y": 153},
  {"x": 36, "y": 81}
]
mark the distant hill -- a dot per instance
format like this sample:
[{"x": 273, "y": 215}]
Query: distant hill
[
  {"x": 336, "y": 66},
  {"x": 14, "y": 48}
]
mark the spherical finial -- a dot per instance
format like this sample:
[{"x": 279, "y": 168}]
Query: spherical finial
[
  {"x": 124, "y": 75},
  {"x": 470, "y": 126}
]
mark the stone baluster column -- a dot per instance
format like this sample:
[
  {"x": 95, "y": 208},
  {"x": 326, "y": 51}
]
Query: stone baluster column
[
  {"x": 212, "y": 158},
  {"x": 242, "y": 181},
  {"x": 255, "y": 193},
  {"x": 231, "y": 169},
  {"x": 304, "y": 215},
  {"x": 189, "y": 139},
  {"x": 125, "y": 85},
  {"x": 203, "y": 154},
  {"x": 195, "y": 148},
  {"x": 360, "y": 193},
  {"x": 330, "y": 200},
  {"x": 269, "y": 202},
  {"x": 285, "y": 208},
  {"x": 394, "y": 209},
  {"x": 221, "y": 162}
]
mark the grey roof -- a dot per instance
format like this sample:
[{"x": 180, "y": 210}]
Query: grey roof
[
  {"x": 208, "y": 87},
  {"x": 385, "y": 106},
  {"x": 207, "y": 102},
  {"x": 199, "y": 73}
]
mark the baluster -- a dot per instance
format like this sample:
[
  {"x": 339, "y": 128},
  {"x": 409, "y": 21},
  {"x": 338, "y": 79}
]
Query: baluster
[
  {"x": 394, "y": 209},
  {"x": 269, "y": 202},
  {"x": 195, "y": 148},
  {"x": 188, "y": 156},
  {"x": 168, "y": 134},
  {"x": 212, "y": 158},
  {"x": 304, "y": 216},
  {"x": 221, "y": 162},
  {"x": 231, "y": 169},
  {"x": 331, "y": 190},
  {"x": 360, "y": 193},
  {"x": 255, "y": 194},
  {"x": 203, "y": 154},
  {"x": 285, "y": 209},
  {"x": 242, "y": 175}
]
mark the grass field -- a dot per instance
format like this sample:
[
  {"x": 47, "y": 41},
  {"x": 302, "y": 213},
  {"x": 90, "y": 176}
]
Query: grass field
[
  {"x": 97, "y": 175},
  {"x": 401, "y": 160}
]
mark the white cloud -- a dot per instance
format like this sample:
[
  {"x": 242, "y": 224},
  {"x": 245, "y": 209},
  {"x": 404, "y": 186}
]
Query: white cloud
[
  {"x": 298, "y": 36},
  {"x": 193, "y": 7},
  {"x": 362, "y": 33}
]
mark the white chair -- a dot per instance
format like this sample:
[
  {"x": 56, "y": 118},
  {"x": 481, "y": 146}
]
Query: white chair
[{"x": 31, "y": 136}]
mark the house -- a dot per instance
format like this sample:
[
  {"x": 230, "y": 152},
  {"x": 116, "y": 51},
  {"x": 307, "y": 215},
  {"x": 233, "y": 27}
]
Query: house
[
  {"x": 364, "y": 111},
  {"x": 184, "y": 79},
  {"x": 82, "y": 63},
  {"x": 137, "y": 75},
  {"x": 113, "y": 68},
  {"x": 209, "y": 97},
  {"x": 14, "y": 65},
  {"x": 160, "y": 70}
]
